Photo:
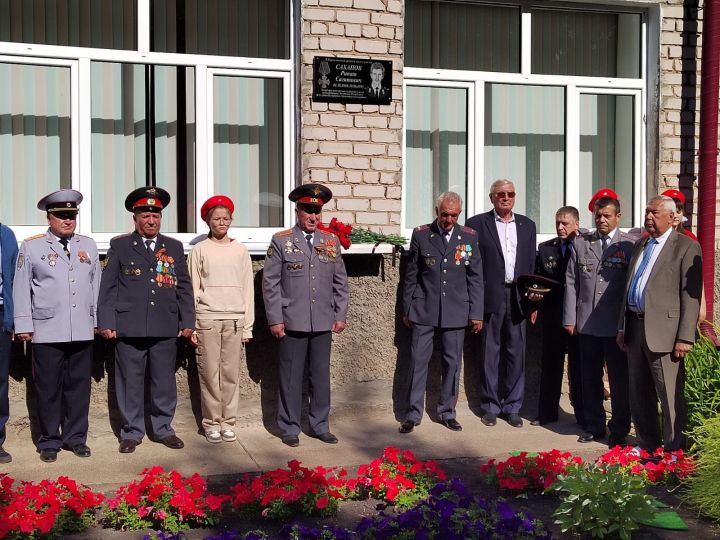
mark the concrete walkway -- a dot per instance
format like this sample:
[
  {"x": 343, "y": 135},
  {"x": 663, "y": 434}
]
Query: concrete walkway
[{"x": 362, "y": 418}]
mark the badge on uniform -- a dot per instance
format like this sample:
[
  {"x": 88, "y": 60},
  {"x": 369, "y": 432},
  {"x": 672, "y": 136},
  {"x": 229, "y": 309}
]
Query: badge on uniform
[
  {"x": 295, "y": 266},
  {"x": 165, "y": 270},
  {"x": 84, "y": 257},
  {"x": 463, "y": 252},
  {"x": 326, "y": 251},
  {"x": 550, "y": 264},
  {"x": 616, "y": 260},
  {"x": 585, "y": 267},
  {"x": 430, "y": 261},
  {"x": 269, "y": 252},
  {"x": 289, "y": 248},
  {"x": 52, "y": 259},
  {"x": 21, "y": 261}
]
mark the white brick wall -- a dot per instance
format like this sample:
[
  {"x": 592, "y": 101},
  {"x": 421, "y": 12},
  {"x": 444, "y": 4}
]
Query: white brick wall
[{"x": 356, "y": 149}]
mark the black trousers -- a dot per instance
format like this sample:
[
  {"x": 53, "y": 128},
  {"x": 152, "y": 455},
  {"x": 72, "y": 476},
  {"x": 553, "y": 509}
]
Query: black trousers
[
  {"x": 132, "y": 357},
  {"x": 298, "y": 350},
  {"x": 556, "y": 342},
  {"x": 595, "y": 350},
  {"x": 62, "y": 373},
  {"x": 5, "y": 344}
]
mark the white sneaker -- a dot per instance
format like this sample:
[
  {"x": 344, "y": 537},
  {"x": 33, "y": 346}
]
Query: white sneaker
[
  {"x": 213, "y": 437},
  {"x": 228, "y": 435}
]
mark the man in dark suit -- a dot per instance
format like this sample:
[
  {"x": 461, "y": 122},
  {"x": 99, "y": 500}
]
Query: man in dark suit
[
  {"x": 8, "y": 258},
  {"x": 593, "y": 295},
  {"x": 658, "y": 329},
  {"x": 306, "y": 292},
  {"x": 507, "y": 247},
  {"x": 146, "y": 302},
  {"x": 443, "y": 291},
  {"x": 552, "y": 261}
]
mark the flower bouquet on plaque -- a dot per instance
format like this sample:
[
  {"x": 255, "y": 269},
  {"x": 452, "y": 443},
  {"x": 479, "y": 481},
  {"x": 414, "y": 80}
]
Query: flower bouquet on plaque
[{"x": 339, "y": 229}]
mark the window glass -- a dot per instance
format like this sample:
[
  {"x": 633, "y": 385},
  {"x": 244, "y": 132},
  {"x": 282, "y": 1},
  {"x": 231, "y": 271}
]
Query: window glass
[
  {"x": 606, "y": 148},
  {"x": 525, "y": 143},
  {"x": 35, "y": 139},
  {"x": 107, "y": 24},
  {"x": 460, "y": 35},
  {"x": 249, "y": 28},
  {"x": 248, "y": 148},
  {"x": 594, "y": 44},
  {"x": 436, "y": 135},
  {"x": 143, "y": 133}
]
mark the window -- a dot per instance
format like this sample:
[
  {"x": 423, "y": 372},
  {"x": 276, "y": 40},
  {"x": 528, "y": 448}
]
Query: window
[
  {"x": 35, "y": 138},
  {"x": 192, "y": 96},
  {"x": 557, "y": 108}
]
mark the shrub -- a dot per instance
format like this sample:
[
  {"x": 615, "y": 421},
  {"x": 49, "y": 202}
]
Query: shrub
[
  {"x": 46, "y": 509},
  {"x": 702, "y": 384},
  {"x": 297, "y": 490},
  {"x": 703, "y": 486},
  {"x": 164, "y": 501},
  {"x": 601, "y": 502},
  {"x": 529, "y": 471},
  {"x": 398, "y": 478}
]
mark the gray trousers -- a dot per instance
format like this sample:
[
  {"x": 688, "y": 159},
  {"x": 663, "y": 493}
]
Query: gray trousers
[
  {"x": 653, "y": 377},
  {"x": 421, "y": 351},
  {"x": 298, "y": 350},
  {"x": 132, "y": 355}
]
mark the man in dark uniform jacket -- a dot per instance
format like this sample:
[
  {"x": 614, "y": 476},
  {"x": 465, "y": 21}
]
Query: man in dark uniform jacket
[
  {"x": 306, "y": 292},
  {"x": 507, "y": 246},
  {"x": 146, "y": 303},
  {"x": 552, "y": 261},
  {"x": 443, "y": 291}
]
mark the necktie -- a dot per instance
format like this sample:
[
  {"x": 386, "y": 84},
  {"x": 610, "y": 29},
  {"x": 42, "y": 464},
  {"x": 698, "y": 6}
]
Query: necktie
[
  {"x": 64, "y": 242},
  {"x": 446, "y": 238},
  {"x": 605, "y": 241},
  {"x": 309, "y": 239},
  {"x": 148, "y": 245},
  {"x": 634, "y": 293}
]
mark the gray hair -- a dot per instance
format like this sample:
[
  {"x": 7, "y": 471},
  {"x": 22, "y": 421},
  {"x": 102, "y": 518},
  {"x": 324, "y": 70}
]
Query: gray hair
[
  {"x": 448, "y": 196},
  {"x": 667, "y": 202},
  {"x": 500, "y": 182}
]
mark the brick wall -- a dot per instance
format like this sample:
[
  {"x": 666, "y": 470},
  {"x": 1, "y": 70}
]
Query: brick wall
[
  {"x": 679, "y": 114},
  {"x": 355, "y": 149}
]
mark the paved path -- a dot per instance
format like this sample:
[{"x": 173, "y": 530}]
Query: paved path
[{"x": 362, "y": 419}]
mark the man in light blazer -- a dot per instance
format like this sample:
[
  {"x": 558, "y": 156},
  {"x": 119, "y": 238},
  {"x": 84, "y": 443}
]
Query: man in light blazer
[
  {"x": 443, "y": 293},
  {"x": 507, "y": 247},
  {"x": 657, "y": 325},
  {"x": 594, "y": 284}
]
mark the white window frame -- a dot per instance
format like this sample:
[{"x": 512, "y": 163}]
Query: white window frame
[
  {"x": 574, "y": 85},
  {"x": 80, "y": 60}
]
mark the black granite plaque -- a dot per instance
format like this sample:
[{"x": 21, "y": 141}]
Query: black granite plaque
[{"x": 352, "y": 80}]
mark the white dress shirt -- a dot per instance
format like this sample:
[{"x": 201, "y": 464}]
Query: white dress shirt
[
  {"x": 507, "y": 232},
  {"x": 661, "y": 240}
]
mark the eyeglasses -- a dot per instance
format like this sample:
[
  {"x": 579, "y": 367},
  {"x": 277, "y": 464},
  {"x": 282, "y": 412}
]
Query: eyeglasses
[{"x": 505, "y": 194}]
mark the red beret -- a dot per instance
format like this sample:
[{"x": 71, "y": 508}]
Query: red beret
[
  {"x": 602, "y": 194},
  {"x": 212, "y": 202},
  {"x": 675, "y": 194}
]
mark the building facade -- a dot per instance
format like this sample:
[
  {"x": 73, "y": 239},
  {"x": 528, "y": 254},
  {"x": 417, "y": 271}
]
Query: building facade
[{"x": 215, "y": 96}]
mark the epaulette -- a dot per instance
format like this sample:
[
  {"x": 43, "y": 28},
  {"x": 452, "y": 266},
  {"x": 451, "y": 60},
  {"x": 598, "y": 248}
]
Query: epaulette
[
  {"x": 468, "y": 230},
  {"x": 120, "y": 236},
  {"x": 41, "y": 235},
  {"x": 421, "y": 227},
  {"x": 588, "y": 236},
  {"x": 286, "y": 232},
  {"x": 329, "y": 233}
]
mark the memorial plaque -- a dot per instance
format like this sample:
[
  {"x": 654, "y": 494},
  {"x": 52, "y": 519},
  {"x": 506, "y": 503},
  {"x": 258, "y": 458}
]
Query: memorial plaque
[{"x": 352, "y": 80}]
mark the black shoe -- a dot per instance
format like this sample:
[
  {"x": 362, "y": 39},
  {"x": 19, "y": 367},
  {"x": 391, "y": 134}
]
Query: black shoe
[
  {"x": 48, "y": 455},
  {"x": 327, "y": 437},
  {"x": 542, "y": 422},
  {"x": 5, "y": 457},
  {"x": 616, "y": 440},
  {"x": 514, "y": 420},
  {"x": 127, "y": 446},
  {"x": 587, "y": 437},
  {"x": 451, "y": 423},
  {"x": 407, "y": 426},
  {"x": 173, "y": 442},
  {"x": 489, "y": 419},
  {"x": 291, "y": 440},
  {"x": 81, "y": 450}
]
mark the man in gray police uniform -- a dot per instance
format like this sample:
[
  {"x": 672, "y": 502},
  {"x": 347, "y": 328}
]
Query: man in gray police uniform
[
  {"x": 146, "y": 303},
  {"x": 443, "y": 290},
  {"x": 306, "y": 298},
  {"x": 55, "y": 299}
]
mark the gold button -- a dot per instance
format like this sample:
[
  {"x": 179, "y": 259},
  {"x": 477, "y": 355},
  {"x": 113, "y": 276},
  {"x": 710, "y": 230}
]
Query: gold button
[
  {"x": 152, "y": 303},
  {"x": 73, "y": 305}
]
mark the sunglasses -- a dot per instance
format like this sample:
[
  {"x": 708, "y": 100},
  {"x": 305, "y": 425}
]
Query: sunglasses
[
  {"x": 310, "y": 208},
  {"x": 505, "y": 194},
  {"x": 65, "y": 215}
]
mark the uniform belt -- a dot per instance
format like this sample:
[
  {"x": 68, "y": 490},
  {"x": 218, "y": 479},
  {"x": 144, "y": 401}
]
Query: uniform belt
[{"x": 634, "y": 315}]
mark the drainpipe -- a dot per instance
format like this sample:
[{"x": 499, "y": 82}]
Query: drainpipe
[{"x": 707, "y": 192}]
